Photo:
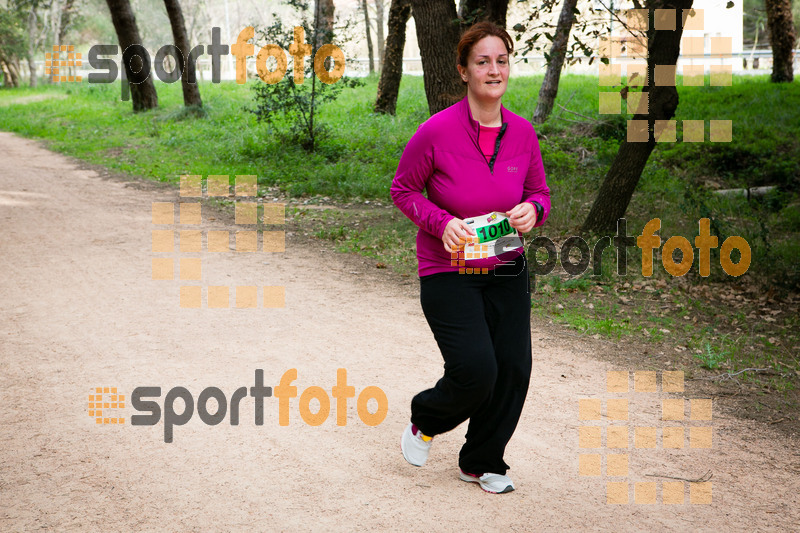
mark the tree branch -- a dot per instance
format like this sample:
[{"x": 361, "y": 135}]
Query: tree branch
[
  {"x": 728, "y": 375},
  {"x": 701, "y": 479}
]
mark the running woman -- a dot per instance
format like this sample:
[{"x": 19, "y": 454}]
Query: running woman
[{"x": 482, "y": 169}]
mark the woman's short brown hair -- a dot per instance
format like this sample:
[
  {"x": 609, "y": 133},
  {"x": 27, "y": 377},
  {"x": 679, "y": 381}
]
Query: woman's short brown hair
[{"x": 475, "y": 33}]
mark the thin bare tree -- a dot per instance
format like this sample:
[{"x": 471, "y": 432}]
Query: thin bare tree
[
  {"x": 379, "y": 9},
  {"x": 143, "y": 95},
  {"x": 558, "y": 52},
  {"x": 392, "y": 67},
  {"x": 191, "y": 92},
  {"x": 32, "y": 31},
  {"x": 369, "y": 37}
]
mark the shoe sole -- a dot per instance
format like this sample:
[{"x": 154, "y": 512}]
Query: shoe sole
[{"x": 470, "y": 479}]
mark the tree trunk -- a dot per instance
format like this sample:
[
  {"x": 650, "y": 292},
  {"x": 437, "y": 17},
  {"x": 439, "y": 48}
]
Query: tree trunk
[
  {"x": 324, "y": 11},
  {"x": 67, "y": 10},
  {"x": 323, "y": 14},
  {"x": 392, "y": 67},
  {"x": 438, "y": 38},
  {"x": 549, "y": 88},
  {"x": 11, "y": 68},
  {"x": 617, "y": 189},
  {"x": 472, "y": 11},
  {"x": 191, "y": 92},
  {"x": 143, "y": 95},
  {"x": 10, "y": 73},
  {"x": 32, "y": 44},
  {"x": 55, "y": 22},
  {"x": 379, "y": 24},
  {"x": 369, "y": 36},
  {"x": 782, "y": 36}
]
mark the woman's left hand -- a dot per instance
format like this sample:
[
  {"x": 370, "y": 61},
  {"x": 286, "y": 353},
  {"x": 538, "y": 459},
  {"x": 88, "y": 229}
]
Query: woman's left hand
[{"x": 522, "y": 217}]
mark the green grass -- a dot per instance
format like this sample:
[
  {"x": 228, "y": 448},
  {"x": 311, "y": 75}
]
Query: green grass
[
  {"x": 93, "y": 124},
  {"x": 359, "y": 159},
  {"x": 712, "y": 356}
]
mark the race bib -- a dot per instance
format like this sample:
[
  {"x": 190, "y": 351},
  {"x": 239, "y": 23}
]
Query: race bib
[{"x": 493, "y": 236}]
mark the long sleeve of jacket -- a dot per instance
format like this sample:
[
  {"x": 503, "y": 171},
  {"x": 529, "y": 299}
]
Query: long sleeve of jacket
[{"x": 415, "y": 168}]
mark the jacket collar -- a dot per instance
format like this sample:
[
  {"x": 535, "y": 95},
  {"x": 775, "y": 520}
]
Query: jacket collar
[
  {"x": 473, "y": 128},
  {"x": 472, "y": 125}
]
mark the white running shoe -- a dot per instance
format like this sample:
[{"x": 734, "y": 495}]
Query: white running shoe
[
  {"x": 494, "y": 483},
  {"x": 415, "y": 446}
]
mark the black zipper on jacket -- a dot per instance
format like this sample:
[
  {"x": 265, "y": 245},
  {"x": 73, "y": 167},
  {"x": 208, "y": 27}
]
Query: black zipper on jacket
[{"x": 496, "y": 145}]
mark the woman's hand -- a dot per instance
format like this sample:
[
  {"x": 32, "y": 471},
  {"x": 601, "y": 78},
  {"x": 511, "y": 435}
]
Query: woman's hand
[
  {"x": 522, "y": 217},
  {"x": 455, "y": 234}
]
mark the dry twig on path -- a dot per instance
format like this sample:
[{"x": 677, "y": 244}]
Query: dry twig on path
[
  {"x": 728, "y": 375},
  {"x": 704, "y": 477}
]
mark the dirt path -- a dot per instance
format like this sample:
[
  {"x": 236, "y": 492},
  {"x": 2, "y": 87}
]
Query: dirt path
[{"x": 78, "y": 309}]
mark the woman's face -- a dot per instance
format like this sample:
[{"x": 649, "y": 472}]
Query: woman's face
[{"x": 487, "y": 69}]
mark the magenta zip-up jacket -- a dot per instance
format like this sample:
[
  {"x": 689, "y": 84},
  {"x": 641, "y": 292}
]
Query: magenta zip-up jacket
[{"x": 444, "y": 158}]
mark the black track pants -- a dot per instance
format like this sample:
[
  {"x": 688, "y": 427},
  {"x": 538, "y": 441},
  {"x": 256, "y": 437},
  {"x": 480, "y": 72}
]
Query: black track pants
[{"x": 481, "y": 323}]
